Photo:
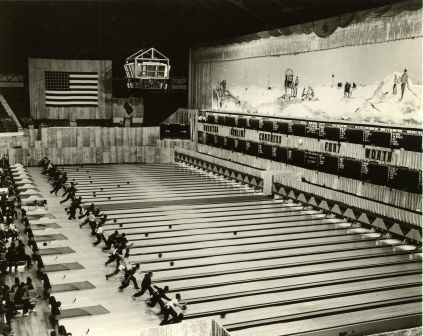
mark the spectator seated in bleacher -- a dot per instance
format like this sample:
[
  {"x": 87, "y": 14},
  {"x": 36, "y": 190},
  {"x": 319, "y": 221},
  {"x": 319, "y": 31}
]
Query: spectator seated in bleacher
[
  {"x": 23, "y": 299},
  {"x": 55, "y": 311}
]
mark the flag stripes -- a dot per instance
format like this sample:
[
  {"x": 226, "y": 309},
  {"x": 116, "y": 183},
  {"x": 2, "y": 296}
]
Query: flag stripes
[{"x": 77, "y": 89}]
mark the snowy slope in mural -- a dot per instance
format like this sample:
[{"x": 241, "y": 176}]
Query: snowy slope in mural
[{"x": 378, "y": 102}]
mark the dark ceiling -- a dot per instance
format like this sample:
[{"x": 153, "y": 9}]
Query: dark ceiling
[{"x": 115, "y": 29}]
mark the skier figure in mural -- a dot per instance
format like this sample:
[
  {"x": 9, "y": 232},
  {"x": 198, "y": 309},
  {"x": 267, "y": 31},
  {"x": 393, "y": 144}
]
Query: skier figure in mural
[
  {"x": 396, "y": 82},
  {"x": 404, "y": 82},
  {"x": 289, "y": 82},
  {"x": 223, "y": 93},
  {"x": 297, "y": 81},
  {"x": 310, "y": 93},
  {"x": 347, "y": 89},
  {"x": 304, "y": 94}
]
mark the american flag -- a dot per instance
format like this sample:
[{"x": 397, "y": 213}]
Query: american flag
[{"x": 71, "y": 88}]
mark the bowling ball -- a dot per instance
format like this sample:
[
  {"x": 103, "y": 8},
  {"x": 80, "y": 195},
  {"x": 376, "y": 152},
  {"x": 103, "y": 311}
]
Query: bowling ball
[
  {"x": 170, "y": 226},
  {"x": 109, "y": 198},
  {"x": 184, "y": 307},
  {"x": 222, "y": 315},
  {"x": 235, "y": 233},
  {"x": 160, "y": 255},
  {"x": 118, "y": 185},
  {"x": 101, "y": 189},
  {"x": 91, "y": 181},
  {"x": 114, "y": 220},
  {"x": 120, "y": 225},
  {"x": 44, "y": 244},
  {"x": 89, "y": 176},
  {"x": 146, "y": 234},
  {"x": 127, "y": 182},
  {"x": 172, "y": 263}
]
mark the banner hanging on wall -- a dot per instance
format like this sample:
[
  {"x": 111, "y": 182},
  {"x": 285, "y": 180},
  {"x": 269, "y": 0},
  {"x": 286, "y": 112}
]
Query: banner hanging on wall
[{"x": 71, "y": 89}]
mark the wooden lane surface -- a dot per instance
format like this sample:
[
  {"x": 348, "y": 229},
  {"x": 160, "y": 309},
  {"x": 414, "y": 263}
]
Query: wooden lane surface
[
  {"x": 243, "y": 303},
  {"x": 263, "y": 258},
  {"x": 244, "y": 251},
  {"x": 197, "y": 278},
  {"x": 300, "y": 281},
  {"x": 279, "y": 253},
  {"x": 161, "y": 218},
  {"x": 258, "y": 316},
  {"x": 184, "y": 222},
  {"x": 305, "y": 223},
  {"x": 320, "y": 324},
  {"x": 275, "y": 240},
  {"x": 123, "y": 201},
  {"x": 162, "y": 196},
  {"x": 295, "y": 234},
  {"x": 209, "y": 208}
]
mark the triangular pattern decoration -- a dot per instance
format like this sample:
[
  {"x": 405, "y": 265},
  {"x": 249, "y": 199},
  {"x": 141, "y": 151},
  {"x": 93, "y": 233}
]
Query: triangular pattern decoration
[
  {"x": 405, "y": 229},
  {"x": 388, "y": 224},
  {"x": 342, "y": 208},
  {"x": 379, "y": 224},
  {"x": 312, "y": 201},
  {"x": 414, "y": 234},
  {"x": 395, "y": 228},
  {"x": 302, "y": 198},
  {"x": 349, "y": 213},
  {"x": 292, "y": 194},
  {"x": 371, "y": 218},
  {"x": 336, "y": 209},
  {"x": 357, "y": 213},
  {"x": 324, "y": 205},
  {"x": 363, "y": 218},
  {"x": 282, "y": 191}
]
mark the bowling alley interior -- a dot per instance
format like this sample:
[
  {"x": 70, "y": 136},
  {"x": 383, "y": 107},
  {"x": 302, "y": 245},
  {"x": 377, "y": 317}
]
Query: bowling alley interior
[{"x": 211, "y": 168}]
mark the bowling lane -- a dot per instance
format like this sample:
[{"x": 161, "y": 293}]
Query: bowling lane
[
  {"x": 229, "y": 262},
  {"x": 287, "y": 233},
  {"x": 276, "y": 240},
  {"x": 218, "y": 277},
  {"x": 301, "y": 281},
  {"x": 253, "y": 301},
  {"x": 320, "y": 324},
  {"x": 252, "y": 249},
  {"x": 221, "y": 224}
]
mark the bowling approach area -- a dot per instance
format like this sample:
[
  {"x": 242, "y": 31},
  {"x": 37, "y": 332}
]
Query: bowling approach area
[{"x": 257, "y": 265}]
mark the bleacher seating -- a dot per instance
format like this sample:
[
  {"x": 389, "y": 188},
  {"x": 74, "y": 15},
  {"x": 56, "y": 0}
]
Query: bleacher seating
[
  {"x": 94, "y": 122},
  {"x": 17, "y": 98},
  {"x": 51, "y": 123},
  {"x": 6, "y": 122}
]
